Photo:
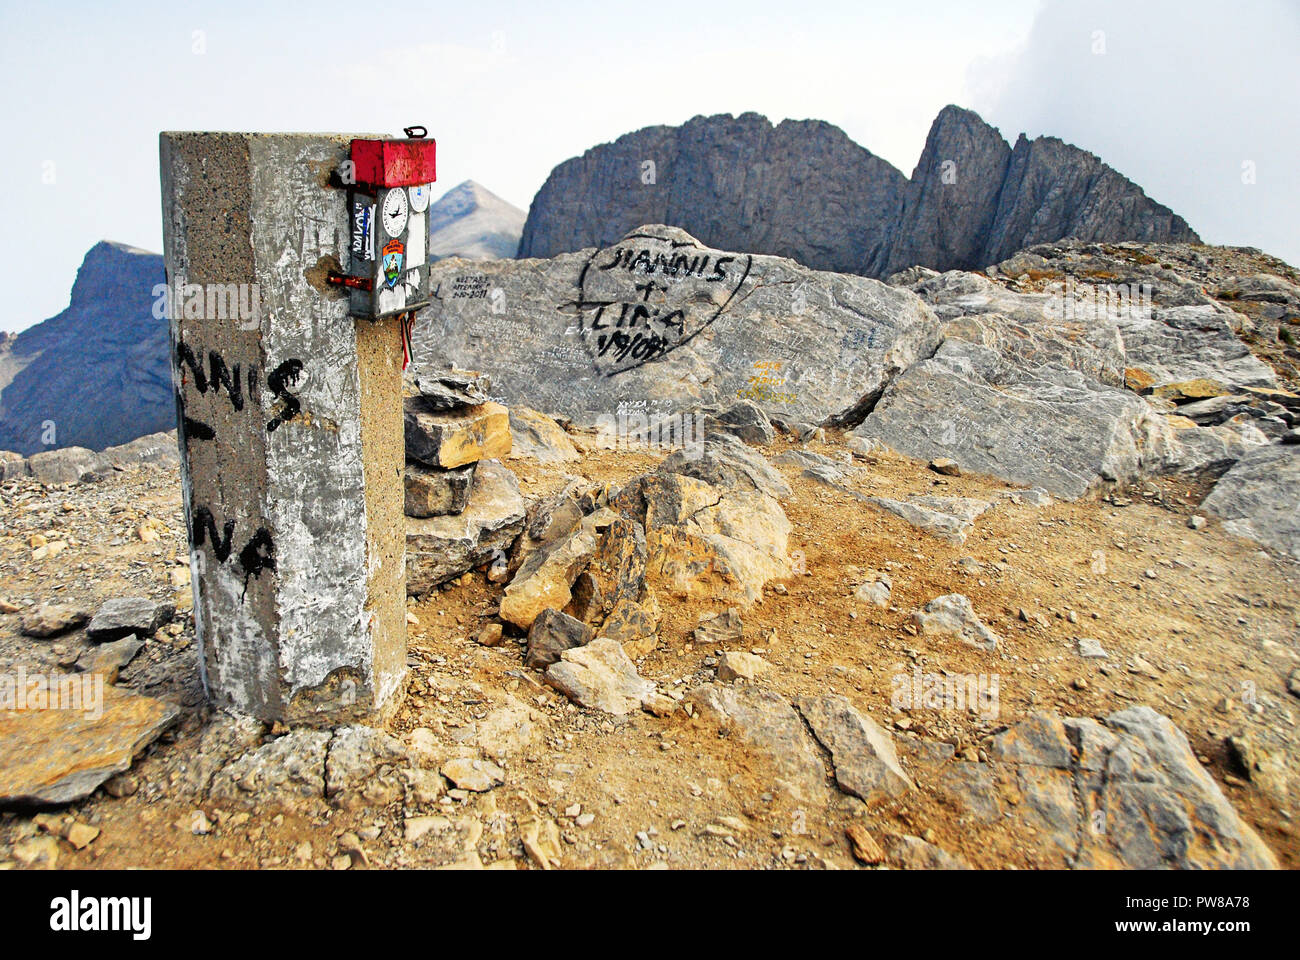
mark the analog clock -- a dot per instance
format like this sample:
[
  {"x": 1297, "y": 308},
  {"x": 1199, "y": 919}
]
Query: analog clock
[{"x": 395, "y": 212}]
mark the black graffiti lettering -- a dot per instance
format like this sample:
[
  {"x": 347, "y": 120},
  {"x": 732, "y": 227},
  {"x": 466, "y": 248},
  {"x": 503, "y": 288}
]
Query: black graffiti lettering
[
  {"x": 254, "y": 385},
  {"x": 656, "y": 315},
  {"x": 258, "y": 555},
  {"x": 185, "y": 357},
  {"x": 676, "y": 319},
  {"x": 618, "y": 258},
  {"x": 279, "y": 380},
  {"x": 205, "y": 528},
  {"x": 219, "y": 376},
  {"x": 196, "y": 429},
  {"x": 645, "y": 289}
]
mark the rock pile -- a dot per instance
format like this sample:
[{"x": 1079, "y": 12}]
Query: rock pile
[
  {"x": 465, "y": 508},
  {"x": 707, "y": 526}
]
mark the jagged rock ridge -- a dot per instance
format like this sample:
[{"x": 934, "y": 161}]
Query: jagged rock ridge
[{"x": 804, "y": 190}]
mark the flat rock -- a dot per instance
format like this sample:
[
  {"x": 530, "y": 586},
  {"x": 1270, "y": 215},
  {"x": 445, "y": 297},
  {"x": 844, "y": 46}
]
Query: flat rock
[
  {"x": 507, "y": 730},
  {"x": 433, "y": 492},
  {"x": 720, "y": 628},
  {"x": 537, "y": 436},
  {"x": 59, "y": 756},
  {"x": 108, "y": 658},
  {"x": 952, "y": 615},
  {"x": 807, "y": 459},
  {"x": 439, "y": 549},
  {"x": 738, "y": 665},
  {"x": 1259, "y": 498},
  {"x": 361, "y": 767},
  {"x": 906, "y": 852},
  {"x": 478, "y": 776},
  {"x": 283, "y": 771},
  {"x": 1047, "y": 426},
  {"x": 948, "y": 518},
  {"x": 1128, "y": 794},
  {"x": 453, "y": 390},
  {"x": 454, "y": 438},
  {"x": 600, "y": 676},
  {"x": 876, "y": 591},
  {"x": 123, "y": 616},
  {"x": 866, "y": 764},
  {"x": 768, "y": 725},
  {"x": 51, "y": 620},
  {"x": 1090, "y": 648}
]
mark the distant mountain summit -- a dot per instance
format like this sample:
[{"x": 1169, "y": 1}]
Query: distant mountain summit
[
  {"x": 471, "y": 221},
  {"x": 803, "y": 189},
  {"x": 97, "y": 374}
]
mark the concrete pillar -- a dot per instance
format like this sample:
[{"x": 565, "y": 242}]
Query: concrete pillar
[{"x": 290, "y": 420}]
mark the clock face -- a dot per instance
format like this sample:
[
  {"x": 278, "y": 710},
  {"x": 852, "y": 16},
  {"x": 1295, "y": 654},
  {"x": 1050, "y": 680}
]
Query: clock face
[
  {"x": 395, "y": 212},
  {"x": 420, "y": 198}
]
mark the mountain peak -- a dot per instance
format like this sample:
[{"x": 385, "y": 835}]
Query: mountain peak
[
  {"x": 471, "y": 221},
  {"x": 805, "y": 190}
]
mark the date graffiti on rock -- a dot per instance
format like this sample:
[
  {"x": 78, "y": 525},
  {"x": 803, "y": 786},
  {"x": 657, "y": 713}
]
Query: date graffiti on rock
[{"x": 648, "y": 296}]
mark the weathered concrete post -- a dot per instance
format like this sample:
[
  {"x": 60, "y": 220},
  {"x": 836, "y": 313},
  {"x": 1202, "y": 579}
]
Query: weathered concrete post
[{"x": 290, "y": 416}]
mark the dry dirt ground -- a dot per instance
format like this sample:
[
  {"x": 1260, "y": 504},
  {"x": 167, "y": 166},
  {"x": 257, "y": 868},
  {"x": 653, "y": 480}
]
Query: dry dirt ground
[{"x": 1214, "y": 617}]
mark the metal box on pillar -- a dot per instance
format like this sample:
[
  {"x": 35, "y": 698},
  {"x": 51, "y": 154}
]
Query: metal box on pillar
[
  {"x": 290, "y": 419},
  {"x": 388, "y": 271}
]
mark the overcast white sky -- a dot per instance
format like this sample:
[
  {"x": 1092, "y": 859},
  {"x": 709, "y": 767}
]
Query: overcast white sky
[{"x": 1183, "y": 94}]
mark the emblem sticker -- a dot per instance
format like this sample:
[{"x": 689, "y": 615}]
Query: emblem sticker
[
  {"x": 419, "y": 198},
  {"x": 394, "y": 254}
]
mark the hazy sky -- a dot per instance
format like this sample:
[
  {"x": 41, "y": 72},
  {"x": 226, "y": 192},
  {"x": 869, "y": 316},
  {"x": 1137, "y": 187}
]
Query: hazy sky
[{"x": 1176, "y": 95}]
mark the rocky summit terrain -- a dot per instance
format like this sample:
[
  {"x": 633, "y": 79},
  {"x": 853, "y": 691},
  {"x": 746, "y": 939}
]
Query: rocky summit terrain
[
  {"x": 717, "y": 561},
  {"x": 1039, "y": 683},
  {"x": 802, "y": 189}
]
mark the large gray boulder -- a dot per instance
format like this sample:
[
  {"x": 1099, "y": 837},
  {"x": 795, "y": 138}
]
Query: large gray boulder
[
  {"x": 1046, "y": 426},
  {"x": 662, "y": 324},
  {"x": 1259, "y": 498},
  {"x": 1023, "y": 329},
  {"x": 1129, "y": 794},
  {"x": 1190, "y": 342}
]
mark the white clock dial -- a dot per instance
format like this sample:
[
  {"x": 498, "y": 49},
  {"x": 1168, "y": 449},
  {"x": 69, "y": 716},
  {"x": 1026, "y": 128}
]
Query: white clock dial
[
  {"x": 395, "y": 212},
  {"x": 420, "y": 198}
]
